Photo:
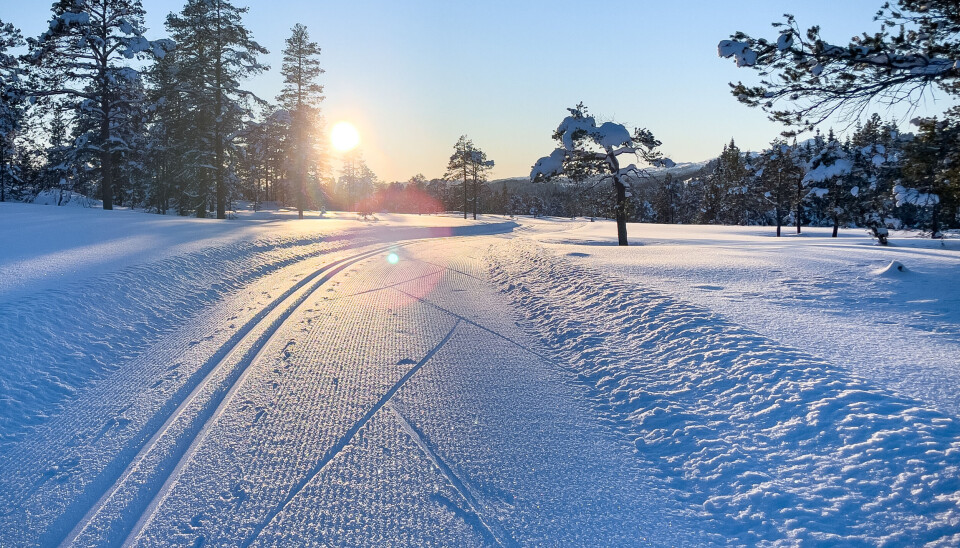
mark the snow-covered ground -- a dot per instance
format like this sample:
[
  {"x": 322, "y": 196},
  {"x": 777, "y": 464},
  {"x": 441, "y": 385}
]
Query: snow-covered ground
[{"x": 266, "y": 381}]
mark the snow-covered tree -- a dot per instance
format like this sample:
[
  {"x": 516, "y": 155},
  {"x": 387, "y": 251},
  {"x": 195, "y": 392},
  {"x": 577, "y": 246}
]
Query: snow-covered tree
[
  {"x": 479, "y": 166},
  {"x": 301, "y": 96},
  {"x": 215, "y": 51},
  {"x": 458, "y": 167},
  {"x": 931, "y": 169},
  {"x": 84, "y": 55},
  {"x": 592, "y": 150},
  {"x": 776, "y": 170},
  {"x": 726, "y": 189},
  {"x": 11, "y": 104},
  {"x": 805, "y": 79},
  {"x": 830, "y": 175}
]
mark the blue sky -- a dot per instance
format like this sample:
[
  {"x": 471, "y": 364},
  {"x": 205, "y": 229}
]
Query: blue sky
[{"x": 414, "y": 75}]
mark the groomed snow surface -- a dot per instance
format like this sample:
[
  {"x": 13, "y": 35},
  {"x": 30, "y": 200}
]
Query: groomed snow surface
[{"x": 267, "y": 381}]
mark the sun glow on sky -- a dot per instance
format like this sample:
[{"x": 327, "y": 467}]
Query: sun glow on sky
[{"x": 344, "y": 136}]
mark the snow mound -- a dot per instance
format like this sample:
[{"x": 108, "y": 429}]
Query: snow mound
[
  {"x": 895, "y": 268},
  {"x": 772, "y": 446},
  {"x": 65, "y": 198}
]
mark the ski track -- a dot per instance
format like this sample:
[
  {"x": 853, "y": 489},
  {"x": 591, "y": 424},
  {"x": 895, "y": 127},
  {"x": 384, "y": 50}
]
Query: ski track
[
  {"x": 150, "y": 473},
  {"x": 344, "y": 441},
  {"x": 490, "y": 529},
  {"x": 774, "y": 446},
  {"x": 121, "y": 318}
]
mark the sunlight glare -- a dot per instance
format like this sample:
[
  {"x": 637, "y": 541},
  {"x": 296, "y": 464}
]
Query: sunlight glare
[
  {"x": 393, "y": 258},
  {"x": 344, "y": 136}
]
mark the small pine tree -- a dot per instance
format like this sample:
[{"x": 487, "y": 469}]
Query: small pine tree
[{"x": 591, "y": 150}]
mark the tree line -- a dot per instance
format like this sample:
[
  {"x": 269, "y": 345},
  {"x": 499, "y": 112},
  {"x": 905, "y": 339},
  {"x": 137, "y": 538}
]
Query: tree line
[{"x": 95, "y": 108}]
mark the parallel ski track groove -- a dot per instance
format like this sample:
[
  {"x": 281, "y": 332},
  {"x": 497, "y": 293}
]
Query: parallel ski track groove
[
  {"x": 499, "y": 537},
  {"x": 345, "y": 440},
  {"x": 67, "y": 528}
]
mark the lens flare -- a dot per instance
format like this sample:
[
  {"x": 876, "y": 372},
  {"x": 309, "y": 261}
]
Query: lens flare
[{"x": 393, "y": 258}]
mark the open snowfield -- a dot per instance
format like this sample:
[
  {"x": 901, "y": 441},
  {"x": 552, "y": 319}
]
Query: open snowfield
[{"x": 426, "y": 380}]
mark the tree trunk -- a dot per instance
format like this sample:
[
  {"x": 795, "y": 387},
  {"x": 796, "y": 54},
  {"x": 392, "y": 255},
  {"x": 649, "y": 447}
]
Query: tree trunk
[
  {"x": 621, "y": 212},
  {"x": 836, "y": 225},
  {"x": 3, "y": 172},
  {"x": 934, "y": 221},
  {"x": 799, "y": 202},
  {"x": 106, "y": 159},
  {"x": 218, "y": 122},
  {"x": 779, "y": 220},
  {"x": 476, "y": 186},
  {"x": 301, "y": 175},
  {"x": 221, "y": 185}
]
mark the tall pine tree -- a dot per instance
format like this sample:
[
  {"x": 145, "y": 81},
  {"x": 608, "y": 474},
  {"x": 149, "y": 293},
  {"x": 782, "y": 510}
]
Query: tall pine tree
[
  {"x": 84, "y": 56},
  {"x": 301, "y": 96},
  {"x": 215, "y": 51},
  {"x": 11, "y": 105}
]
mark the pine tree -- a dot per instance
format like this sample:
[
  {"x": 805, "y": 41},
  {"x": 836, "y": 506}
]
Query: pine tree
[
  {"x": 215, "y": 52},
  {"x": 356, "y": 184},
  {"x": 932, "y": 167},
  {"x": 777, "y": 168},
  {"x": 915, "y": 48},
  {"x": 459, "y": 165},
  {"x": 832, "y": 171},
  {"x": 479, "y": 166},
  {"x": 595, "y": 150},
  {"x": 301, "y": 96},
  {"x": 11, "y": 104},
  {"x": 83, "y": 56}
]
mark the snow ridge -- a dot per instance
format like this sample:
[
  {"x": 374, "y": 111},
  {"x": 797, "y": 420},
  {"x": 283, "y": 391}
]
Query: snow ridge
[{"x": 774, "y": 446}]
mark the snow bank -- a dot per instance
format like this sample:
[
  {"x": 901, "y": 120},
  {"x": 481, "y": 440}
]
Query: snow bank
[
  {"x": 772, "y": 444},
  {"x": 895, "y": 268},
  {"x": 65, "y": 198}
]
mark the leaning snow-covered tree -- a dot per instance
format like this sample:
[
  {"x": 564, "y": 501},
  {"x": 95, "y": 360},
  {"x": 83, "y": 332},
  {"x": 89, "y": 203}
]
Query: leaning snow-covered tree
[
  {"x": 589, "y": 150},
  {"x": 805, "y": 79}
]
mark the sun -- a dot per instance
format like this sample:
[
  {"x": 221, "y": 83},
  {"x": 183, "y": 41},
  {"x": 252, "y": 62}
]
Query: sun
[{"x": 344, "y": 136}]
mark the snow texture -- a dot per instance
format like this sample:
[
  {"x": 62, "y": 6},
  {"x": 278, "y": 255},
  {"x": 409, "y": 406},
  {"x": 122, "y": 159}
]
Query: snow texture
[
  {"x": 267, "y": 381},
  {"x": 905, "y": 195},
  {"x": 826, "y": 172}
]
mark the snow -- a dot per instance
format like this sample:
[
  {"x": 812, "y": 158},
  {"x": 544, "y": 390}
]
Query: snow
[
  {"x": 135, "y": 45},
  {"x": 65, "y": 198},
  {"x": 740, "y": 51},
  {"x": 432, "y": 380},
  {"x": 825, "y": 172},
  {"x": 785, "y": 41},
  {"x": 71, "y": 18},
  {"x": 789, "y": 387},
  {"x": 611, "y": 134},
  {"x": 549, "y": 166},
  {"x": 913, "y": 196}
]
